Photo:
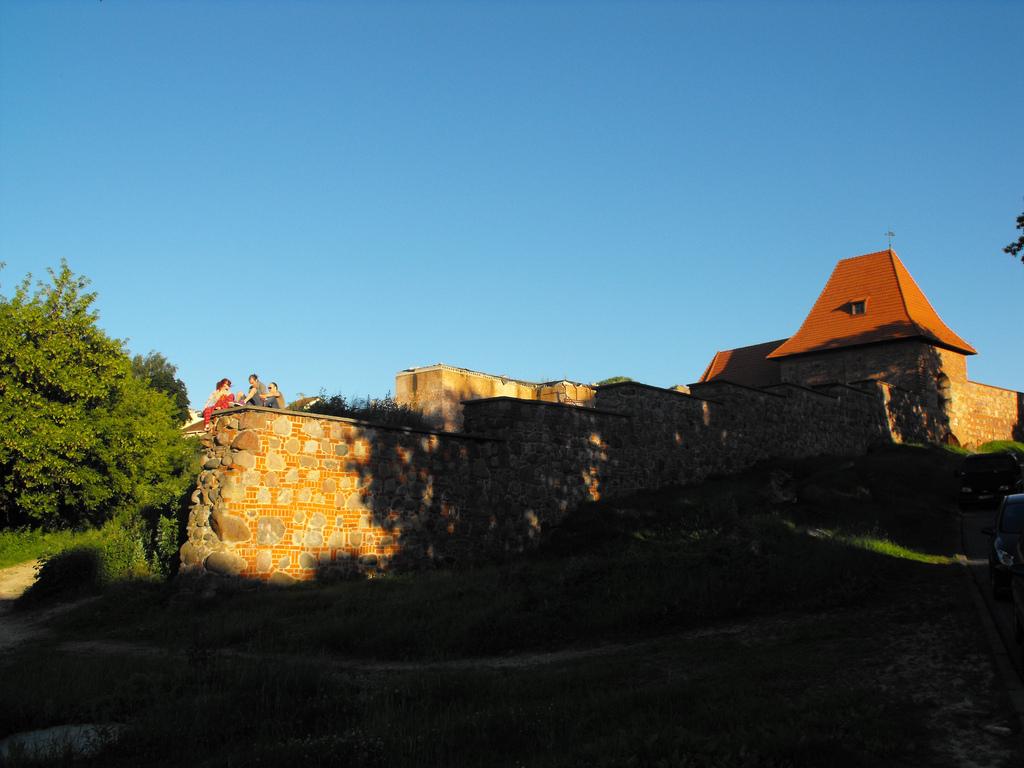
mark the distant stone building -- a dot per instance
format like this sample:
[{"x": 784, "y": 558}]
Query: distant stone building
[
  {"x": 438, "y": 391},
  {"x": 873, "y": 323}
]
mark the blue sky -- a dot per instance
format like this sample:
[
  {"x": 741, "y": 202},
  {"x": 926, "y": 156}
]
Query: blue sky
[{"x": 327, "y": 193}]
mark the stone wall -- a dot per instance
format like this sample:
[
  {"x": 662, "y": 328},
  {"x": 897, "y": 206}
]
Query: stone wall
[
  {"x": 924, "y": 388},
  {"x": 555, "y": 456},
  {"x": 284, "y": 496},
  {"x": 438, "y": 391},
  {"x": 912, "y": 364},
  {"x": 911, "y": 417},
  {"x": 641, "y": 437},
  {"x": 979, "y": 413}
]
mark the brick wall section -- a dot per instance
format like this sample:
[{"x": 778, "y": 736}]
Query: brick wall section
[
  {"x": 926, "y": 393},
  {"x": 911, "y": 364},
  {"x": 642, "y": 437},
  {"x": 555, "y": 457},
  {"x": 439, "y": 391},
  {"x": 672, "y": 439},
  {"x": 911, "y": 418},
  {"x": 285, "y": 496},
  {"x": 793, "y": 421},
  {"x": 980, "y": 413}
]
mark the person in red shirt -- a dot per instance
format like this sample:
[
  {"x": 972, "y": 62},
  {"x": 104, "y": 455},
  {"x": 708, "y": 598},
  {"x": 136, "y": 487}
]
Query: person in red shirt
[{"x": 221, "y": 397}]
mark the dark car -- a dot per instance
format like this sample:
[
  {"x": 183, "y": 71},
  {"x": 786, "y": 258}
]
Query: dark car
[
  {"x": 1017, "y": 578},
  {"x": 986, "y": 477},
  {"x": 1006, "y": 534}
]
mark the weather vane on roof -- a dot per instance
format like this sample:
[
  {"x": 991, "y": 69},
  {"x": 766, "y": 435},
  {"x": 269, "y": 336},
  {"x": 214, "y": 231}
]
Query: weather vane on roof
[{"x": 890, "y": 234}]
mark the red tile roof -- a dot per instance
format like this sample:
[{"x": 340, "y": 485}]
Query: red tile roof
[
  {"x": 745, "y": 365},
  {"x": 894, "y": 308}
]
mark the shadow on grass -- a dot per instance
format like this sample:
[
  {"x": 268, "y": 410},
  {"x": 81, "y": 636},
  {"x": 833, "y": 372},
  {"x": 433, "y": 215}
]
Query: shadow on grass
[
  {"x": 730, "y": 549},
  {"x": 681, "y": 705},
  {"x": 656, "y": 563}
]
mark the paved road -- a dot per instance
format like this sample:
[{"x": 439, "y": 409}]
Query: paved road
[{"x": 976, "y": 546}]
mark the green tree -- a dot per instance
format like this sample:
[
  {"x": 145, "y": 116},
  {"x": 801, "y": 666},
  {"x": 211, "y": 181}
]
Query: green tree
[
  {"x": 1016, "y": 248},
  {"x": 82, "y": 439},
  {"x": 157, "y": 370},
  {"x": 612, "y": 380}
]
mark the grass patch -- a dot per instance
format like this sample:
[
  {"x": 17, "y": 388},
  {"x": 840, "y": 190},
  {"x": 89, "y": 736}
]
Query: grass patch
[
  {"x": 851, "y": 650},
  {"x": 957, "y": 450},
  {"x": 889, "y": 548},
  {"x": 23, "y": 545},
  {"x": 799, "y": 694},
  {"x": 651, "y": 564},
  {"x": 998, "y": 446},
  {"x": 112, "y": 554}
]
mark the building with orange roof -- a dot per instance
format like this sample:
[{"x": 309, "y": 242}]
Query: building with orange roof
[
  {"x": 873, "y": 323},
  {"x": 871, "y": 328},
  {"x": 749, "y": 366}
]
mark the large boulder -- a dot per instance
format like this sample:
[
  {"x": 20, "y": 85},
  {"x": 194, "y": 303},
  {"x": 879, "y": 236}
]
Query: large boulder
[
  {"x": 243, "y": 459},
  {"x": 225, "y": 436},
  {"x": 252, "y": 420},
  {"x": 225, "y": 563},
  {"x": 231, "y": 529},
  {"x": 264, "y": 561},
  {"x": 190, "y": 554},
  {"x": 247, "y": 440},
  {"x": 281, "y": 579},
  {"x": 270, "y": 530}
]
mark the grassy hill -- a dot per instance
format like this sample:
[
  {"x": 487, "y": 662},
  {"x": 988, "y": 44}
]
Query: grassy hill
[{"x": 805, "y": 613}]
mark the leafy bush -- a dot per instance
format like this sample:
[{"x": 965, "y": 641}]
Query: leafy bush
[
  {"x": 123, "y": 552},
  {"x": 66, "y": 575},
  {"x": 115, "y": 552},
  {"x": 612, "y": 380},
  {"x": 165, "y": 546},
  {"x": 157, "y": 534},
  {"x": 385, "y": 410},
  {"x": 82, "y": 438}
]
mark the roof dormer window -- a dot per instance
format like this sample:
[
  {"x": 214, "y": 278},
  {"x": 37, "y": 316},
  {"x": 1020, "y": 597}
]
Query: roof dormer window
[{"x": 858, "y": 307}]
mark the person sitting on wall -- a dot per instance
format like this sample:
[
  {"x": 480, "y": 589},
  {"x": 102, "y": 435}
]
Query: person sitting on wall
[
  {"x": 274, "y": 398},
  {"x": 221, "y": 397},
  {"x": 257, "y": 391}
]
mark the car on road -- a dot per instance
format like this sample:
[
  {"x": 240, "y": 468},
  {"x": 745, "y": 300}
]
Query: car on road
[
  {"x": 1017, "y": 591},
  {"x": 986, "y": 477},
  {"x": 1006, "y": 534}
]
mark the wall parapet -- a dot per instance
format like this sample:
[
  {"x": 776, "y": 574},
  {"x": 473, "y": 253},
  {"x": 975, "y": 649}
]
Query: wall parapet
[
  {"x": 726, "y": 386},
  {"x": 517, "y": 402},
  {"x": 344, "y": 419},
  {"x": 646, "y": 387},
  {"x": 796, "y": 388}
]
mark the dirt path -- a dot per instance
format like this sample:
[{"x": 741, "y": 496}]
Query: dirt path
[
  {"x": 19, "y": 628},
  {"x": 15, "y": 630},
  {"x": 768, "y": 630},
  {"x": 16, "y": 579}
]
